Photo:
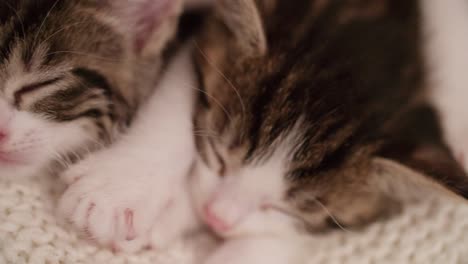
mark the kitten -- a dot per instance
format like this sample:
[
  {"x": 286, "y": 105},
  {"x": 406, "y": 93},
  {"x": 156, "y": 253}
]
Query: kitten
[
  {"x": 313, "y": 115},
  {"x": 73, "y": 73}
]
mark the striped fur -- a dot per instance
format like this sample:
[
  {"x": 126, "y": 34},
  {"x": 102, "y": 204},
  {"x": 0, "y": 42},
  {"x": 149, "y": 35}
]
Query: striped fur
[{"x": 82, "y": 62}]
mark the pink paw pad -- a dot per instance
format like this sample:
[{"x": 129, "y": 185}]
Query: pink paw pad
[
  {"x": 131, "y": 233},
  {"x": 88, "y": 214}
]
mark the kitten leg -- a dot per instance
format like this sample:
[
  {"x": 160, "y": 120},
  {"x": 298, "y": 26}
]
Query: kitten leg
[
  {"x": 446, "y": 26},
  {"x": 178, "y": 219},
  {"x": 120, "y": 192}
]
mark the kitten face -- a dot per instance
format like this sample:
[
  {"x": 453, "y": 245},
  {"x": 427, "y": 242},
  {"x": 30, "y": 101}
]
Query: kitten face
[
  {"x": 68, "y": 78},
  {"x": 299, "y": 129}
]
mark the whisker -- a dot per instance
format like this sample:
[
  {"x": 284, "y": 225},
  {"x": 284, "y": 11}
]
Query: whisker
[
  {"x": 214, "y": 99},
  {"x": 204, "y": 130},
  {"x": 60, "y": 30},
  {"x": 205, "y": 56},
  {"x": 300, "y": 218},
  {"x": 206, "y": 135},
  {"x": 332, "y": 217},
  {"x": 44, "y": 20}
]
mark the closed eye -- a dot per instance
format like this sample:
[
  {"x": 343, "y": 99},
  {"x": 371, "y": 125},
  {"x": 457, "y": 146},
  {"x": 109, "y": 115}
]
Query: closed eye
[
  {"x": 221, "y": 162},
  {"x": 18, "y": 95}
]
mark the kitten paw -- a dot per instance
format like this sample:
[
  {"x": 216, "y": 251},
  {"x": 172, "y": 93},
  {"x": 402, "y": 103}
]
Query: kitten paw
[
  {"x": 178, "y": 219},
  {"x": 115, "y": 201}
]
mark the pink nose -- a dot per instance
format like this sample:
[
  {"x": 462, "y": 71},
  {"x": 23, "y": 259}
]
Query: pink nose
[
  {"x": 215, "y": 222},
  {"x": 3, "y": 135}
]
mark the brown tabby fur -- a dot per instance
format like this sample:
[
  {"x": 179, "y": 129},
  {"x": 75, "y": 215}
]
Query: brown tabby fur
[
  {"x": 348, "y": 75},
  {"x": 89, "y": 45}
]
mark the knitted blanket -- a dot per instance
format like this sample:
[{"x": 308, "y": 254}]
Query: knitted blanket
[{"x": 433, "y": 231}]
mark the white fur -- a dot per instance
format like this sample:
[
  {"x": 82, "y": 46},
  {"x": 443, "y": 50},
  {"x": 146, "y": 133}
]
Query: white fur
[
  {"x": 245, "y": 191},
  {"x": 446, "y": 35},
  {"x": 145, "y": 172},
  {"x": 245, "y": 201},
  {"x": 255, "y": 250},
  {"x": 33, "y": 141}
]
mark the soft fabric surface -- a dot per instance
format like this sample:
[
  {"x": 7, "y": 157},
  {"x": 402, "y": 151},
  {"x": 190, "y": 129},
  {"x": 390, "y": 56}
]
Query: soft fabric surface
[{"x": 434, "y": 231}]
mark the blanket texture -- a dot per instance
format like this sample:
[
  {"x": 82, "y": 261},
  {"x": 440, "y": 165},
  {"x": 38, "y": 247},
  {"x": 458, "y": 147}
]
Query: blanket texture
[{"x": 433, "y": 231}]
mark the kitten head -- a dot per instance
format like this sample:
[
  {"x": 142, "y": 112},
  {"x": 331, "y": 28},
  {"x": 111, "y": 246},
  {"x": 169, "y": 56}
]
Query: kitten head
[
  {"x": 300, "y": 127},
  {"x": 72, "y": 72}
]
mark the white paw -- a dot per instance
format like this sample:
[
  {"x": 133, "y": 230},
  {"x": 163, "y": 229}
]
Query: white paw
[
  {"x": 116, "y": 198},
  {"x": 178, "y": 219}
]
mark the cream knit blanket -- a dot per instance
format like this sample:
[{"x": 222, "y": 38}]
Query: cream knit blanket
[{"x": 435, "y": 231}]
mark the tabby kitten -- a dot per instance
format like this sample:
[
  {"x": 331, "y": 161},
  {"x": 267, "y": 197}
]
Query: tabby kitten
[
  {"x": 72, "y": 73},
  {"x": 312, "y": 116}
]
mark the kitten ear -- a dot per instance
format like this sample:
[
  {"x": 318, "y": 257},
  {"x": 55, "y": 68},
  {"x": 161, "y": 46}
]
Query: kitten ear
[
  {"x": 243, "y": 19},
  {"x": 416, "y": 161},
  {"x": 151, "y": 22},
  {"x": 399, "y": 181}
]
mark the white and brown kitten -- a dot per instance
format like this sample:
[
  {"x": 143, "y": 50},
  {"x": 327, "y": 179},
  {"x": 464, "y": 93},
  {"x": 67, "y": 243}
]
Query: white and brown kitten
[{"x": 314, "y": 114}]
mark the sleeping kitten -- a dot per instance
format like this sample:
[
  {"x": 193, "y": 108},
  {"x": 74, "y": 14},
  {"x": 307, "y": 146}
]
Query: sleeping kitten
[
  {"x": 72, "y": 74},
  {"x": 312, "y": 115}
]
